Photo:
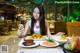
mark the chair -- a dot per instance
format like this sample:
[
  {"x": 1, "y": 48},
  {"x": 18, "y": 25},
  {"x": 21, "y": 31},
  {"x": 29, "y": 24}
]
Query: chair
[
  {"x": 73, "y": 28},
  {"x": 60, "y": 26},
  {"x": 1, "y": 21},
  {"x": 5, "y": 28},
  {"x": 14, "y": 25}
]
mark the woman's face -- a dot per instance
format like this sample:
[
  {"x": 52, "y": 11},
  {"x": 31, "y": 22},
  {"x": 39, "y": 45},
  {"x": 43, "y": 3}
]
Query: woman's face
[{"x": 36, "y": 13}]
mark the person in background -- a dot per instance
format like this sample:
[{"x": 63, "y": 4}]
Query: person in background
[{"x": 37, "y": 24}]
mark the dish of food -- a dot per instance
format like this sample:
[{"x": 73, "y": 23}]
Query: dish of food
[
  {"x": 61, "y": 39},
  {"x": 71, "y": 51},
  {"x": 28, "y": 43},
  {"x": 49, "y": 43},
  {"x": 37, "y": 36},
  {"x": 73, "y": 45}
]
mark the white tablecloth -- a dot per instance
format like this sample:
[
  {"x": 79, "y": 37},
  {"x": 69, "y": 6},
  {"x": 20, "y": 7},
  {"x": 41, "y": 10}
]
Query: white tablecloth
[{"x": 48, "y": 50}]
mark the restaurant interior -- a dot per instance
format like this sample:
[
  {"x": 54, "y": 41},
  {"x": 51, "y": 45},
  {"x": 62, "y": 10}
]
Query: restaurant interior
[{"x": 62, "y": 16}]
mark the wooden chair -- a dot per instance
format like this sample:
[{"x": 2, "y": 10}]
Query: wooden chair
[
  {"x": 1, "y": 21},
  {"x": 5, "y": 28},
  {"x": 73, "y": 28},
  {"x": 60, "y": 27},
  {"x": 14, "y": 25}
]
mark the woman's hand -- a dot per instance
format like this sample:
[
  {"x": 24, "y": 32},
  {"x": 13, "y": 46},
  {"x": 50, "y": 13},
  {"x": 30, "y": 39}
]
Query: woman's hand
[{"x": 20, "y": 30}]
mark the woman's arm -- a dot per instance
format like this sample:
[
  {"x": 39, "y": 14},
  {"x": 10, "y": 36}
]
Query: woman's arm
[
  {"x": 20, "y": 30},
  {"x": 48, "y": 30},
  {"x": 23, "y": 32},
  {"x": 26, "y": 29}
]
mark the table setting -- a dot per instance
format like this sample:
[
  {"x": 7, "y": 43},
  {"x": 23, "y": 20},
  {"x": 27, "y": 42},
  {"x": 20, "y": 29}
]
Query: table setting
[
  {"x": 68, "y": 44},
  {"x": 37, "y": 40}
]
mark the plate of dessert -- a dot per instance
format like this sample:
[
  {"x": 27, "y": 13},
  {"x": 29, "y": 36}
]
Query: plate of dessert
[
  {"x": 49, "y": 43},
  {"x": 28, "y": 43},
  {"x": 36, "y": 37}
]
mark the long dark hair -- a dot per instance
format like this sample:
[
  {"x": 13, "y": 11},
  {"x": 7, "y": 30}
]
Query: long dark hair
[{"x": 41, "y": 20}]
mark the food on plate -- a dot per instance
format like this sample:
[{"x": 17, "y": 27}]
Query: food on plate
[
  {"x": 49, "y": 42},
  {"x": 37, "y": 36},
  {"x": 70, "y": 45},
  {"x": 63, "y": 37},
  {"x": 28, "y": 42},
  {"x": 73, "y": 44}
]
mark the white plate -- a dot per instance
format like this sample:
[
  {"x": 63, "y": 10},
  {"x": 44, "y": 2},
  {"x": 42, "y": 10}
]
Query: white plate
[
  {"x": 22, "y": 40},
  {"x": 41, "y": 43},
  {"x": 56, "y": 38}
]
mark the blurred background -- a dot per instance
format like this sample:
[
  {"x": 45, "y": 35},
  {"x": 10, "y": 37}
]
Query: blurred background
[{"x": 54, "y": 9}]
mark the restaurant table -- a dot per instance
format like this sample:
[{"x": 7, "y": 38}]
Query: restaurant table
[{"x": 13, "y": 47}]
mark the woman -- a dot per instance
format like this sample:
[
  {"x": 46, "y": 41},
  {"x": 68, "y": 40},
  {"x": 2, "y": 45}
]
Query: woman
[{"x": 37, "y": 24}]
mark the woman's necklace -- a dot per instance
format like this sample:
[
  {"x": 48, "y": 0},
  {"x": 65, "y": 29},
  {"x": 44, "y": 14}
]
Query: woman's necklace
[{"x": 37, "y": 25}]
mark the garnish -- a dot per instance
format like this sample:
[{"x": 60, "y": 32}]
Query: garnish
[{"x": 50, "y": 40}]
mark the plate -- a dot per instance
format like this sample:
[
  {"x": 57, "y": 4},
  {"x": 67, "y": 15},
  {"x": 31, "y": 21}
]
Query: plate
[
  {"x": 69, "y": 51},
  {"x": 22, "y": 40},
  {"x": 41, "y": 43},
  {"x": 56, "y": 38},
  {"x": 72, "y": 51}
]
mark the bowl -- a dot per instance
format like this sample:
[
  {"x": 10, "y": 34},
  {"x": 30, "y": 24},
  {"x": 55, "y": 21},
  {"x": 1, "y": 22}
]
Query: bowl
[{"x": 70, "y": 51}]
